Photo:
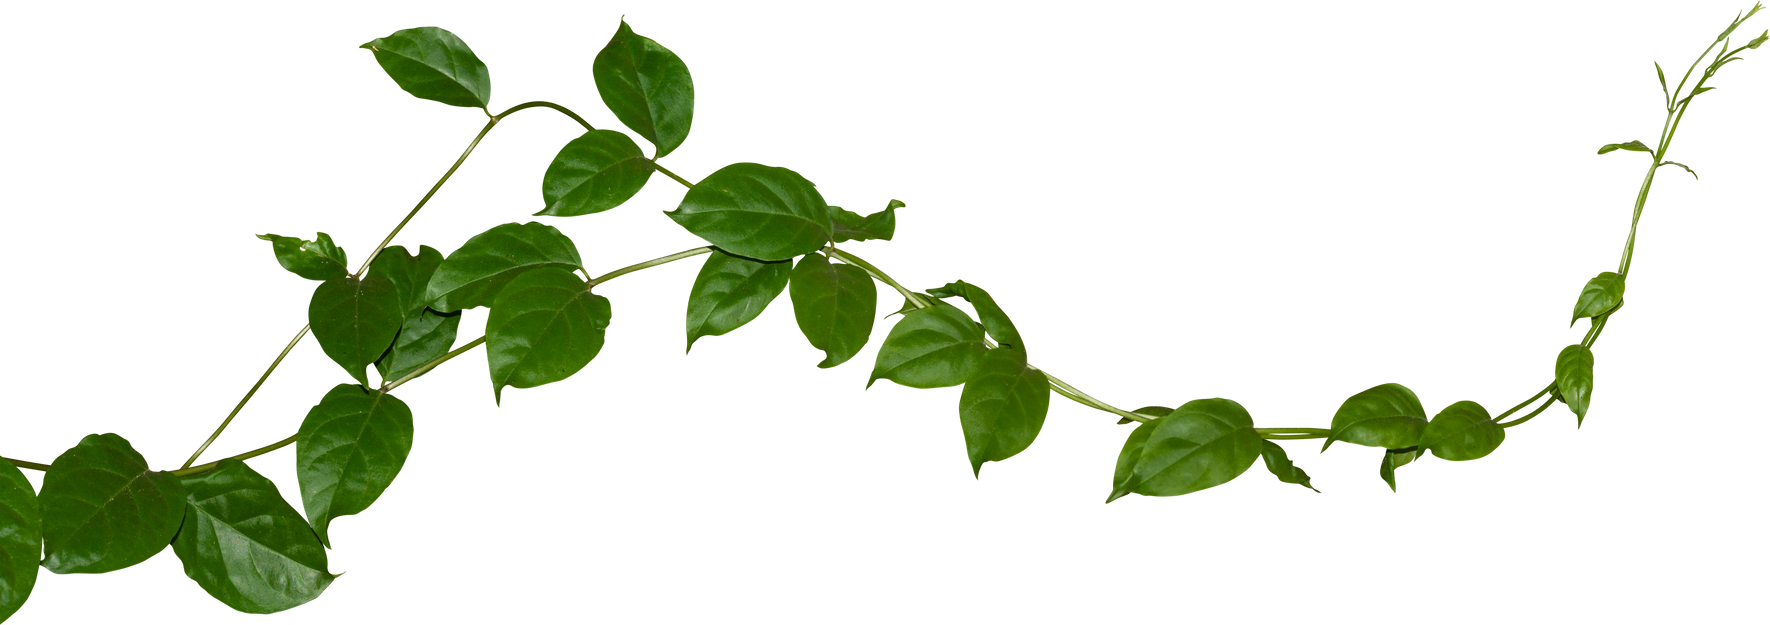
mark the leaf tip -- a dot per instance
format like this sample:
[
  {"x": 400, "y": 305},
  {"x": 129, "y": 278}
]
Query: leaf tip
[{"x": 1116, "y": 494}]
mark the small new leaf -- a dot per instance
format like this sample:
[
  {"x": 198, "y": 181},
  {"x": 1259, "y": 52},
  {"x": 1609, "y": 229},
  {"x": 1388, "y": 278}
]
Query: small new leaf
[
  {"x": 834, "y": 304},
  {"x": 647, "y": 87},
  {"x": 1280, "y": 465},
  {"x": 931, "y": 348},
  {"x": 347, "y": 452},
  {"x": 1685, "y": 167},
  {"x": 1602, "y": 293},
  {"x": 21, "y": 539},
  {"x": 1632, "y": 146},
  {"x": 1394, "y": 459},
  {"x": 434, "y": 64},
  {"x": 544, "y": 327},
  {"x": 730, "y": 291},
  {"x": 318, "y": 259},
  {"x": 1573, "y": 379},
  {"x": 1003, "y": 407},
  {"x": 756, "y": 211},
  {"x": 595, "y": 172},
  {"x": 851, "y": 226},
  {"x": 104, "y": 510},
  {"x": 1462, "y": 431},
  {"x": 1387, "y": 416},
  {"x": 245, "y": 545},
  {"x": 994, "y": 320}
]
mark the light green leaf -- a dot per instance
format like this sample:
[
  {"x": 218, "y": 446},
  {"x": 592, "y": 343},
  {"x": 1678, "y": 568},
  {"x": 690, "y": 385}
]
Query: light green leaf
[
  {"x": 347, "y": 452},
  {"x": 409, "y": 274},
  {"x": 647, "y": 87},
  {"x": 1573, "y": 378},
  {"x": 425, "y": 336},
  {"x": 834, "y": 304},
  {"x": 1124, "y": 474},
  {"x": 245, "y": 545},
  {"x": 1203, "y": 443},
  {"x": 1002, "y": 407},
  {"x": 730, "y": 291},
  {"x": 355, "y": 321},
  {"x": 544, "y": 327},
  {"x": 1462, "y": 431},
  {"x": 851, "y": 226},
  {"x": 994, "y": 320},
  {"x": 1394, "y": 459},
  {"x": 1280, "y": 465},
  {"x": 103, "y": 510},
  {"x": 1632, "y": 146},
  {"x": 756, "y": 211},
  {"x": 1662, "y": 83},
  {"x": 595, "y": 172},
  {"x": 1388, "y": 416},
  {"x": 21, "y": 539},
  {"x": 434, "y": 64},
  {"x": 473, "y": 275},
  {"x": 1683, "y": 166},
  {"x": 1600, "y": 295},
  {"x": 1696, "y": 92},
  {"x": 931, "y": 348},
  {"x": 318, "y": 259}
]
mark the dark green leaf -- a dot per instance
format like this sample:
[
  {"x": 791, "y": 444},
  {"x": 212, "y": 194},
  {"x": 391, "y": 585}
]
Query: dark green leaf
[
  {"x": 424, "y": 337},
  {"x": 434, "y": 64},
  {"x": 1632, "y": 146},
  {"x": 834, "y": 304},
  {"x": 1387, "y": 416},
  {"x": 348, "y": 449},
  {"x": 1685, "y": 167},
  {"x": 647, "y": 87},
  {"x": 245, "y": 545},
  {"x": 1463, "y": 431},
  {"x": 994, "y": 320},
  {"x": 103, "y": 510},
  {"x": 21, "y": 539},
  {"x": 1600, "y": 295},
  {"x": 1280, "y": 465},
  {"x": 730, "y": 291},
  {"x": 595, "y": 172},
  {"x": 409, "y": 274},
  {"x": 850, "y": 226},
  {"x": 355, "y": 321},
  {"x": 756, "y": 211},
  {"x": 1203, "y": 443},
  {"x": 318, "y": 259},
  {"x": 930, "y": 348},
  {"x": 473, "y": 275},
  {"x": 1153, "y": 411},
  {"x": 1002, "y": 407},
  {"x": 1124, "y": 474},
  {"x": 1573, "y": 378},
  {"x": 544, "y": 327},
  {"x": 1394, "y": 459}
]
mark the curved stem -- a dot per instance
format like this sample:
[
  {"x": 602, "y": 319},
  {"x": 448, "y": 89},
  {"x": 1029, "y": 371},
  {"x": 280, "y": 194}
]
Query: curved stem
[
  {"x": 247, "y": 398},
  {"x": 650, "y": 263},
  {"x": 1539, "y": 410},
  {"x": 432, "y": 364},
  {"x": 1526, "y": 402},
  {"x": 201, "y": 468},
  {"x": 538, "y": 103}
]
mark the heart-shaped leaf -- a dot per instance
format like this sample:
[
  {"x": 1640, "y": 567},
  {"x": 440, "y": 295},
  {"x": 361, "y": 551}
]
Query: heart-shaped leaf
[
  {"x": 424, "y": 337},
  {"x": 834, "y": 304},
  {"x": 1281, "y": 467},
  {"x": 1203, "y": 443},
  {"x": 1462, "y": 431},
  {"x": 347, "y": 452},
  {"x": 318, "y": 259},
  {"x": 595, "y": 172},
  {"x": 730, "y": 291},
  {"x": 1394, "y": 459},
  {"x": 1002, "y": 407},
  {"x": 851, "y": 226},
  {"x": 355, "y": 321},
  {"x": 994, "y": 320},
  {"x": 1124, "y": 473},
  {"x": 21, "y": 539},
  {"x": 1388, "y": 416},
  {"x": 1600, "y": 295},
  {"x": 409, "y": 274},
  {"x": 473, "y": 275},
  {"x": 434, "y": 64},
  {"x": 647, "y": 87},
  {"x": 1573, "y": 378},
  {"x": 1632, "y": 146},
  {"x": 544, "y": 327},
  {"x": 756, "y": 211},
  {"x": 103, "y": 510},
  {"x": 931, "y": 348},
  {"x": 245, "y": 545}
]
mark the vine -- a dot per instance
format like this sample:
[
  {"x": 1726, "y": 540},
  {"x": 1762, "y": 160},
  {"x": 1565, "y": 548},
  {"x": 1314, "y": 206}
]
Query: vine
[{"x": 101, "y": 507}]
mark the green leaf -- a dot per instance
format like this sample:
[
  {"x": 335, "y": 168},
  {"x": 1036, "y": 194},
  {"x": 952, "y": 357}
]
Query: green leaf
[
  {"x": 1394, "y": 459},
  {"x": 834, "y": 304},
  {"x": 318, "y": 259},
  {"x": 1662, "y": 83},
  {"x": 1698, "y": 91},
  {"x": 1002, "y": 407},
  {"x": 1632, "y": 146},
  {"x": 647, "y": 87},
  {"x": 851, "y": 226},
  {"x": 1685, "y": 167},
  {"x": 425, "y": 336},
  {"x": 21, "y": 539},
  {"x": 1124, "y": 474},
  {"x": 409, "y": 274},
  {"x": 434, "y": 64},
  {"x": 245, "y": 545},
  {"x": 595, "y": 172},
  {"x": 756, "y": 211},
  {"x": 931, "y": 348},
  {"x": 473, "y": 275},
  {"x": 103, "y": 510},
  {"x": 1153, "y": 411},
  {"x": 1573, "y": 378},
  {"x": 1203, "y": 443},
  {"x": 347, "y": 452},
  {"x": 1600, "y": 295},
  {"x": 730, "y": 291},
  {"x": 355, "y": 320},
  {"x": 994, "y": 320},
  {"x": 1463, "y": 431},
  {"x": 544, "y": 327},
  {"x": 1280, "y": 465},
  {"x": 1387, "y": 416}
]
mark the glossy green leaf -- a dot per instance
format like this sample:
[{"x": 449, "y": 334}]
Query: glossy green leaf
[
  {"x": 851, "y": 226},
  {"x": 1124, "y": 474},
  {"x": 104, "y": 510},
  {"x": 21, "y": 539},
  {"x": 1632, "y": 146},
  {"x": 834, "y": 304},
  {"x": 1203, "y": 443},
  {"x": 597, "y": 171},
  {"x": 994, "y": 320},
  {"x": 544, "y": 327},
  {"x": 347, "y": 452},
  {"x": 1002, "y": 407},
  {"x": 473, "y": 275},
  {"x": 1153, "y": 411},
  {"x": 409, "y": 274},
  {"x": 1600, "y": 295},
  {"x": 318, "y": 259},
  {"x": 434, "y": 64},
  {"x": 756, "y": 211},
  {"x": 730, "y": 291},
  {"x": 1462, "y": 431},
  {"x": 647, "y": 87},
  {"x": 1394, "y": 459},
  {"x": 1573, "y": 378},
  {"x": 424, "y": 337},
  {"x": 1682, "y": 166},
  {"x": 1388, "y": 416},
  {"x": 931, "y": 348},
  {"x": 245, "y": 545},
  {"x": 1281, "y": 467},
  {"x": 355, "y": 321}
]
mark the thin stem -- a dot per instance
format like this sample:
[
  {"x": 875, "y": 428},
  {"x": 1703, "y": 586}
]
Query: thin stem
[
  {"x": 247, "y": 398},
  {"x": 432, "y": 364},
  {"x": 538, "y": 103},
  {"x": 1539, "y": 410},
  {"x": 433, "y": 188},
  {"x": 671, "y": 174},
  {"x": 650, "y": 263},
  {"x": 26, "y": 464},
  {"x": 1320, "y": 431},
  {"x": 201, "y": 468},
  {"x": 1526, "y": 402},
  {"x": 907, "y": 294}
]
